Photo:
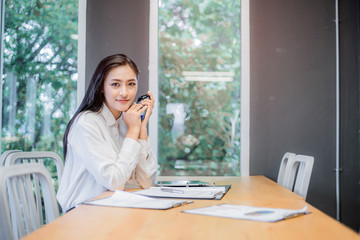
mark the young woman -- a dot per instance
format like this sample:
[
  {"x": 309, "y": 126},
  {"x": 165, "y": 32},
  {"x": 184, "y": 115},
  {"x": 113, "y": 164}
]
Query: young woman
[{"x": 106, "y": 143}]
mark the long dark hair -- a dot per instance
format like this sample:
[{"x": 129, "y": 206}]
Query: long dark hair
[{"x": 94, "y": 97}]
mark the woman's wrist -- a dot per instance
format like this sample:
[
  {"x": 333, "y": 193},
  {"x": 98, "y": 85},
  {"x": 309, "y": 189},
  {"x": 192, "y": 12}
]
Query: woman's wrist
[
  {"x": 133, "y": 133},
  {"x": 143, "y": 133}
]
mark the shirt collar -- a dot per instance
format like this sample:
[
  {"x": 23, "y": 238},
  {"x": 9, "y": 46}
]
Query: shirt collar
[{"x": 109, "y": 117}]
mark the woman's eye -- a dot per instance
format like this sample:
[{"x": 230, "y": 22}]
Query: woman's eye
[
  {"x": 115, "y": 84},
  {"x": 132, "y": 84}
]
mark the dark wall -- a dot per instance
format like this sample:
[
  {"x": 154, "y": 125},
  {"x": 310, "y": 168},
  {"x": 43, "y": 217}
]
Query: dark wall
[
  {"x": 293, "y": 90},
  {"x": 114, "y": 26},
  {"x": 350, "y": 106},
  {"x": 292, "y": 94}
]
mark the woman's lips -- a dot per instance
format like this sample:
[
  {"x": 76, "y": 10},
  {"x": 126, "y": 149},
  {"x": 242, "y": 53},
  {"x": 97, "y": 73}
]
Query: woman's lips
[{"x": 123, "y": 101}]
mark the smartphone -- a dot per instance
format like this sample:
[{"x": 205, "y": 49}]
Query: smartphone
[{"x": 142, "y": 97}]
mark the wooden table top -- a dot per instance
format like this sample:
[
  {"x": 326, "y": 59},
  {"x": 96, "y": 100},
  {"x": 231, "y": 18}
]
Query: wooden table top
[{"x": 96, "y": 222}]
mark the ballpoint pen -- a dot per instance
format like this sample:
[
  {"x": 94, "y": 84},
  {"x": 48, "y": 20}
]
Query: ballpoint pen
[
  {"x": 296, "y": 215},
  {"x": 171, "y": 190}
]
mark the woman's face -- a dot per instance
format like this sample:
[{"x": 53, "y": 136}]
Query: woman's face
[{"x": 120, "y": 88}]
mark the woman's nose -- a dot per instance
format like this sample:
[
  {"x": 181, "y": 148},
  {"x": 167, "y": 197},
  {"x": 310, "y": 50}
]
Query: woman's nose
[{"x": 123, "y": 91}]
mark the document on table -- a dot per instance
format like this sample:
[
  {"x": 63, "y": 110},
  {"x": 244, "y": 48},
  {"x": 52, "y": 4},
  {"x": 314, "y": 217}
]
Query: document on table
[
  {"x": 248, "y": 213},
  {"x": 183, "y": 192},
  {"x": 131, "y": 200}
]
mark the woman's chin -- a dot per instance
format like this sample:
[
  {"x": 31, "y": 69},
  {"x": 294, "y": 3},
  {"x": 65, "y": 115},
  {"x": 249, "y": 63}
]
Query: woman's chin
[{"x": 124, "y": 108}]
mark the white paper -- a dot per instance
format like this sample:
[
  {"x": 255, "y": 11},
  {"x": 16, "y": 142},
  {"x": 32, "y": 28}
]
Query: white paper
[
  {"x": 186, "y": 192},
  {"x": 248, "y": 213},
  {"x": 131, "y": 200}
]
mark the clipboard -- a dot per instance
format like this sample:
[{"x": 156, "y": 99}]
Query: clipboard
[
  {"x": 207, "y": 193},
  {"x": 182, "y": 183}
]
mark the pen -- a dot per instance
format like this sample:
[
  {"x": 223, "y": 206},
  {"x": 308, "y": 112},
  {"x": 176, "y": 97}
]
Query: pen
[
  {"x": 217, "y": 193},
  {"x": 182, "y": 203},
  {"x": 171, "y": 190},
  {"x": 296, "y": 215}
]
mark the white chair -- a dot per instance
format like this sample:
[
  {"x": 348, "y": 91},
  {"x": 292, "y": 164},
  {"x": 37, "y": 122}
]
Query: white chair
[
  {"x": 5, "y": 154},
  {"x": 297, "y": 174},
  {"x": 284, "y": 162},
  {"x": 19, "y": 214},
  {"x": 36, "y": 156}
]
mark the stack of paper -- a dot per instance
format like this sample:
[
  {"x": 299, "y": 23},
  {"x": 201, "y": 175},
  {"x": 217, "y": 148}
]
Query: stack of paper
[
  {"x": 183, "y": 192},
  {"x": 249, "y": 213},
  {"x": 131, "y": 200}
]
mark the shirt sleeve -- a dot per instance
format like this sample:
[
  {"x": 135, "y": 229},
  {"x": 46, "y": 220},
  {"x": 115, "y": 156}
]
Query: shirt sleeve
[
  {"x": 109, "y": 168},
  {"x": 145, "y": 171}
]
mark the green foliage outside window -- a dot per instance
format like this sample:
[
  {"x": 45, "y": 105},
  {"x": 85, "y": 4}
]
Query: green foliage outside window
[
  {"x": 40, "y": 73},
  {"x": 199, "y": 36}
]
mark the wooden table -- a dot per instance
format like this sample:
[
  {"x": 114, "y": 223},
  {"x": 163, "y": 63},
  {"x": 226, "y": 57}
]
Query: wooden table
[{"x": 95, "y": 222}]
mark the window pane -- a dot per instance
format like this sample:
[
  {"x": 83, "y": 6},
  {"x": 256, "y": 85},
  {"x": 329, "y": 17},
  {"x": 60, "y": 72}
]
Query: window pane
[
  {"x": 40, "y": 73},
  {"x": 199, "y": 87}
]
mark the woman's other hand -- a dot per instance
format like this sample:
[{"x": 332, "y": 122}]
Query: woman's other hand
[
  {"x": 149, "y": 104},
  {"x": 132, "y": 120}
]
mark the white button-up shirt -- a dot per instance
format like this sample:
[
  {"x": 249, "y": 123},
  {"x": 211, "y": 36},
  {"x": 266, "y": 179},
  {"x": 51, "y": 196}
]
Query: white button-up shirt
[{"x": 99, "y": 157}]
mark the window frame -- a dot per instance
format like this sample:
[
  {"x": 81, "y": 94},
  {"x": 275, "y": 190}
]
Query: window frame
[
  {"x": 245, "y": 81},
  {"x": 81, "y": 67}
]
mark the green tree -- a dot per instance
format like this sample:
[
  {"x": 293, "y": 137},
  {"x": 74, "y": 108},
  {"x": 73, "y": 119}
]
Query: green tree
[
  {"x": 40, "y": 73},
  {"x": 199, "y": 36}
]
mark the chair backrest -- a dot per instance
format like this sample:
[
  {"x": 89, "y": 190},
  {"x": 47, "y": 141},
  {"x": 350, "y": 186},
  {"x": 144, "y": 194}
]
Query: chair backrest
[
  {"x": 36, "y": 156},
  {"x": 5, "y": 154},
  {"x": 19, "y": 214},
  {"x": 284, "y": 162},
  {"x": 299, "y": 172}
]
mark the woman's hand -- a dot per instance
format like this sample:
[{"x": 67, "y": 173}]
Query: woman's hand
[
  {"x": 149, "y": 104},
  {"x": 132, "y": 120}
]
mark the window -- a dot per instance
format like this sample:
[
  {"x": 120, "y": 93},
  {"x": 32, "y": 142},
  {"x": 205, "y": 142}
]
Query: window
[
  {"x": 199, "y": 87},
  {"x": 39, "y": 73}
]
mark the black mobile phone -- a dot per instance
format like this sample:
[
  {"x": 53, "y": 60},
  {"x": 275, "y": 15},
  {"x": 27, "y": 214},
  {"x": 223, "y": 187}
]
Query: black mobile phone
[{"x": 142, "y": 97}]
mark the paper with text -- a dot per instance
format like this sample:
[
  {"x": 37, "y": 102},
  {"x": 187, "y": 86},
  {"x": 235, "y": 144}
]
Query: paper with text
[
  {"x": 131, "y": 200},
  {"x": 248, "y": 213}
]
